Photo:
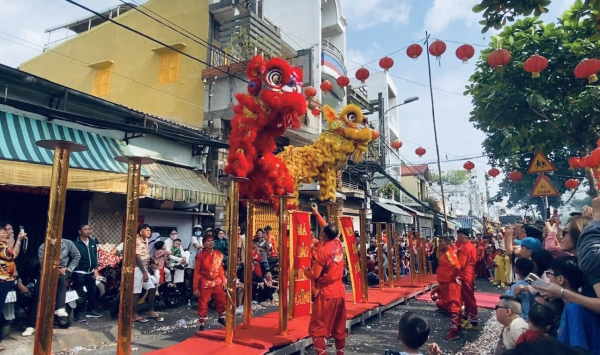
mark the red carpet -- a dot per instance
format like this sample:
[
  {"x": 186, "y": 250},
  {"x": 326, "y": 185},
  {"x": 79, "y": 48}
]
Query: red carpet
[
  {"x": 484, "y": 299},
  {"x": 263, "y": 335},
  {"x": 196, "y": 345}
]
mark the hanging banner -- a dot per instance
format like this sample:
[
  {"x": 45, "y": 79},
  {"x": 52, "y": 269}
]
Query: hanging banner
[
  {"x": 300, "y": 257},
  {"x": 352, "y": 257}
]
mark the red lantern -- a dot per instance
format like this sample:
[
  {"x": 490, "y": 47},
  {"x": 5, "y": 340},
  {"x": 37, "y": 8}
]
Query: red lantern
[
  {"x": 494, "y": 172},
  {"x": 326, "y": 86},
  {"x": 386, "y": 63},
  {"x": 437, "y": 48},
  {"x": 374, "y": 134},
  {"x": 499, "y": 58},
  {"x": 420, "y": 151},
  {"x": 588, "y": 68},
  {"x": 594, "y": 159},
  {"x": 535, "y": 64},
  {"x": 571, "y": 184},
  {"x": 396, "y": 144},
  {"x": 584, "y": 161},
  {"x": 343, "y": 81},
  {"x": 414, "y": 51},
  {"x": 362, "y": 74},
  {"x": 316, "y": 112},
  {"x": 574, "y": 163},
  {"x": 310, "y": 91},
  {"x": 515, "y": 176},
  {"x": 465, "y": 52},
  {"x": 468, "y": 165}
]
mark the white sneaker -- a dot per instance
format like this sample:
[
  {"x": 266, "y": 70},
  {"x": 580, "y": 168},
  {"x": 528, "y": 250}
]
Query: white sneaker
[
  {"x": 28, "y": 332},
  {"x": 61, "y": 313}
]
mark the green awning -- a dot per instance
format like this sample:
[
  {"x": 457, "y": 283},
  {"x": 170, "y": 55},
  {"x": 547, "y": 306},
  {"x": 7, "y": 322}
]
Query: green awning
[
  {"x": 18, "y": 135},
  {"x": 173, "y": 183}
]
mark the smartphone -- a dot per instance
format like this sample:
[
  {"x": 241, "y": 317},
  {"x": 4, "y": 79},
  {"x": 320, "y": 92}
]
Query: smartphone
[
  {"x": 534, "y": 280},
  {"x": 555, "y": 213},
  {"x": 22, "y": 229}
]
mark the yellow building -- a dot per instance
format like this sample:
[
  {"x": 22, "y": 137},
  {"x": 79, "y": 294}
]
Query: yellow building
[
  {"x": 111, "y": 62},
  {"x": 416, "y": 179}
]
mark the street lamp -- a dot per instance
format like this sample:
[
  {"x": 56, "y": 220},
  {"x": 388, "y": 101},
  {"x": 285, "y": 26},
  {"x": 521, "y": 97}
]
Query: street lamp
[{"x": 406, "y": 101}]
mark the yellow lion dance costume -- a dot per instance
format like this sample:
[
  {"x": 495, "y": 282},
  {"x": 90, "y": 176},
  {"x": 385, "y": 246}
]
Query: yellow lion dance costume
[{"x": 346, "y": 135}]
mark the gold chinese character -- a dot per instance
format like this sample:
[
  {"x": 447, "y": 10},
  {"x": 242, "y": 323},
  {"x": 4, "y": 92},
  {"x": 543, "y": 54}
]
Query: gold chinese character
[{"x": 302, "y": 297}]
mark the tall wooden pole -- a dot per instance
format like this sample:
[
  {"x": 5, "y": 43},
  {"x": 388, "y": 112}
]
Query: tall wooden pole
[
  {"x": 363, "y": 253},
  {"x": 390, "y": 268},
  {"x": 234, "y": 211},
  {"x": 134, "y": 170},
  {"x": 380, "y": 254},
  {"x": 284, "y": 279},
  {"x": 250, "y": 214},
  {"x": 44, "y": 323}
]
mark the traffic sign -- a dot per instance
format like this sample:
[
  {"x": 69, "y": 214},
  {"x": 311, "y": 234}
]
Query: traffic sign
[
  {"x": 543, "y": 187},
  {"x": 540, "y": 164}
]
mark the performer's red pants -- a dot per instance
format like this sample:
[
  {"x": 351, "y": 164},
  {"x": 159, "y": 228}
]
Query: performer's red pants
[
  {"x": 449, "y": 297},
  {"x": 218, "y": 295},
  {"x": 328, "y": 318},
  {"x": 467, "y": 294}
]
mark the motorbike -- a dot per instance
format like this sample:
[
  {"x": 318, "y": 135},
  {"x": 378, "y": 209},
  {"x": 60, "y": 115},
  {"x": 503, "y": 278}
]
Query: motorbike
[
  {"x": 171, "y": 294},
  {"x": 70, "y": 304}
]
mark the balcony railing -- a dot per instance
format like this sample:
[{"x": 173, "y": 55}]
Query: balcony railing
[
  {"x": 218, "y": 57},
  {"x": 333, "y": 50}
]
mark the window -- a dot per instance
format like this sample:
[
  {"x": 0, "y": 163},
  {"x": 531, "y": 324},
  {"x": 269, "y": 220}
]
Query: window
[
  {"x": 169, "y": 68},
  {"x": 101, "y": 83}
]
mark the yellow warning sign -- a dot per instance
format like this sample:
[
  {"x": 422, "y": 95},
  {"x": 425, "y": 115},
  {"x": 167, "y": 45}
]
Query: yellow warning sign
[
  {"x": 540, "y": 164},
  {"x": 543, "y": 187}
]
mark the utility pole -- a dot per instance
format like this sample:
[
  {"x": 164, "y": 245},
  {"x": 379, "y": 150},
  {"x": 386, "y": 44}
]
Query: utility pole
[{"x": 382, "y": 129}]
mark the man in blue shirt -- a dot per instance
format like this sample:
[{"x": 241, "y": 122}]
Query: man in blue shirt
[{"x": 579, "y": 327}]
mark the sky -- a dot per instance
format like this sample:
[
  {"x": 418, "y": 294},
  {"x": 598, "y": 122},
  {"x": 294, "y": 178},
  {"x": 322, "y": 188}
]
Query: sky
[{"x": 375, "y": 28}]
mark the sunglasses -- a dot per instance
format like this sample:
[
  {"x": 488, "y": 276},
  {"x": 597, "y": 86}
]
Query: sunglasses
[
  {"x": 548, "y": 274},
  {"x": 499, "y": 306}
]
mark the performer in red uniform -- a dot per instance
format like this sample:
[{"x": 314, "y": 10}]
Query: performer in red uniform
[
  {"x": 449, "y": 289},
  {"x": 467, "y": 256},
  {"x": 210, "y": 281},
  {"x": 328, "y": 316}
]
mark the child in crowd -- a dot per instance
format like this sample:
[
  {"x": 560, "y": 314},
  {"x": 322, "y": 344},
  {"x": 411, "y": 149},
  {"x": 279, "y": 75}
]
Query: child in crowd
[
  {"x": 177, "y": 259},
  {"x": 490, "y": 254},
  {"x": 501, "y": 263},
  {"x": 160, "y": 259},
  {"x": 557, "y": 306},
  {"x": 270, "y": 287},
  {"x": 522, "y": 268},
  {"x": 540, "y": 320},
  {"x": 413, "y": 333}
]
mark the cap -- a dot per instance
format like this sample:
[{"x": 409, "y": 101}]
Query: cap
[{"x": 530, "y": 243}]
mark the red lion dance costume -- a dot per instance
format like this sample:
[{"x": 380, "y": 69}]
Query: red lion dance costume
[{"x": 274, "y": 103}]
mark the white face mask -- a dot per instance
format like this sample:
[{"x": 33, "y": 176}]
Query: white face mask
[{"x": 197, "y": 233}]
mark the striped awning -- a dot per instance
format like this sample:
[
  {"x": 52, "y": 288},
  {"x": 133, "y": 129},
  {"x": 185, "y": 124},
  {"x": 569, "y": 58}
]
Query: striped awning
[
  {"x": 18, "y": 135},
  {"x": 173, "y": 183}
]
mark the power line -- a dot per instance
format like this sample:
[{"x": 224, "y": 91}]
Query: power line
[
  {"x": 387, "y": 55},
  {"x": 155, "y": 40},
  {"x": 197, "y": 39},
  {"x": 84, "y": 64}
]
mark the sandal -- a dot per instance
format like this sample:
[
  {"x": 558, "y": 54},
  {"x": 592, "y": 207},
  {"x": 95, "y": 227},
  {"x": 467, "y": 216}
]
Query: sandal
[
  {"x": 158, "y": 319},
  {"x": 141, "y": 320}
]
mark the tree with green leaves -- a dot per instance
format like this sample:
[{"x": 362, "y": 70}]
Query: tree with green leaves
[
  {"x": 497, "y": 12},
  {"x": 452, "y": 177},
  {"x": 555, "y": 113}
]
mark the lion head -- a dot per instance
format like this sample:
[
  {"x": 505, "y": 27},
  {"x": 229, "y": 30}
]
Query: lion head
[
  {"x": 279, "y": 86},
  {"x": 352, "y": 125}
]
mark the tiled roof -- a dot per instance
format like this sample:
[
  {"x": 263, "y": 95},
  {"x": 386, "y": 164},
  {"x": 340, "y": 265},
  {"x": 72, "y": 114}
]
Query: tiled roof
[{"x": 412, "y": 170}]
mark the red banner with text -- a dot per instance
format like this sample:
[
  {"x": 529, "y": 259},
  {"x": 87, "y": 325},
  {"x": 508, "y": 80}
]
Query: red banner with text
[
  {"x": 352, "y": 257},
  {"x": 301, "y": 258}
]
